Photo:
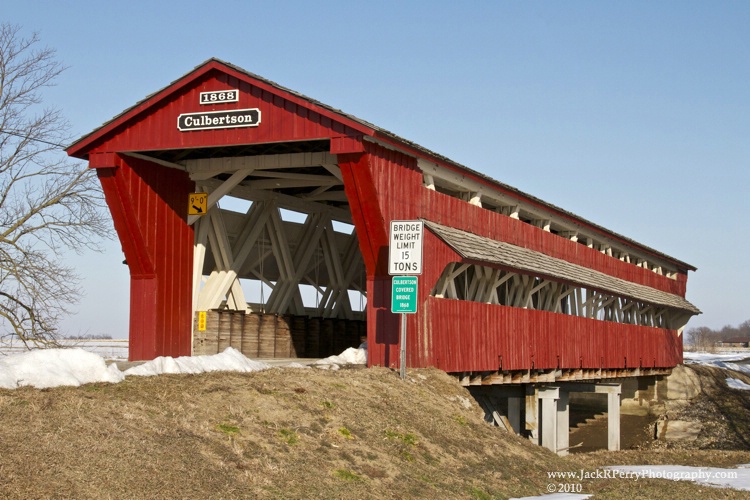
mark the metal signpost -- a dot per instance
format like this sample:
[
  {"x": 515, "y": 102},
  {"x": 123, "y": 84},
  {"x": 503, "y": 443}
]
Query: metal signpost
[{"x": 405, "y": 261}]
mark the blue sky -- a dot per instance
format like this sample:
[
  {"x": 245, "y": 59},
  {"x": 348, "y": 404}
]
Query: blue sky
[{"x": 634, "y": 115}]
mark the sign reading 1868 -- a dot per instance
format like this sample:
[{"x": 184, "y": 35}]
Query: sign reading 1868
[
  {"x": 219, "y": 119},
  {"x": 217, "y": 96}
]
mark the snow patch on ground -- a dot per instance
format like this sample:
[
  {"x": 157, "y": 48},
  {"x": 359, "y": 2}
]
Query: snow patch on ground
[
  {"x": 45, "y": 368},
  {"x": 231, "y": 360},
  {"x": 718, "y": 360},
  {"x": 738, "y": 478},
  {"x": 351, "y": 356},
  {"x": 738, "y": 384}
]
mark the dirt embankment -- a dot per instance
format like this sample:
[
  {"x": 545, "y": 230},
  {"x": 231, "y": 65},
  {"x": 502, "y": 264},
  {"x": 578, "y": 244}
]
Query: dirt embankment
[
  {"x": 294, "y": 433},
  {"x": 712, "y": 415},
  {"x": 289, "y": 433}
]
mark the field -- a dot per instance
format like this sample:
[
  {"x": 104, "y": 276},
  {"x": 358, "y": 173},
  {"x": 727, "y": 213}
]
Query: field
[
  {"x": 115, "y": 349},
  {"x": 306, "y": 433}
]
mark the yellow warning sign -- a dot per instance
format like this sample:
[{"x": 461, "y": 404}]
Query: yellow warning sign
[
  {"x": 201, "y": 321},
  {"x": 198, "y": 204}
]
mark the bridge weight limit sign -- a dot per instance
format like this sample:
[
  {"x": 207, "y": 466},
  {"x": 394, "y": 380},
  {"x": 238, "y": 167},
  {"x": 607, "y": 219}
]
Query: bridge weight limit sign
[
  {"x": 405, "y": 249},
  {"x": 404, "y": 262}
]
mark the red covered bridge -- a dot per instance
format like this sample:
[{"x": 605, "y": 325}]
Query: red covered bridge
[{"x": 295, "y": 232}]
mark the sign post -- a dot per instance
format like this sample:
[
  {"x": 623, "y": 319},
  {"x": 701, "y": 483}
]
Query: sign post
[
  {"x": 405, "y": 261},
  {"x": 403, "y": 301}
]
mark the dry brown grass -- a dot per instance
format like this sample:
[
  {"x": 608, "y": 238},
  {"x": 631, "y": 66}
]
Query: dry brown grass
[{"x": 281, "y": 433}]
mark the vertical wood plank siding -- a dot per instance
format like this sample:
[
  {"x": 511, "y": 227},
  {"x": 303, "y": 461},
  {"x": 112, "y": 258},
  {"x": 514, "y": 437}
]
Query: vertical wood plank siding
[
  {"x": 459, "y": 336},
  {"x": 508, "y": 338},
  {"x": 155, "y": 128},
  {"x": 149, "y": 211}
]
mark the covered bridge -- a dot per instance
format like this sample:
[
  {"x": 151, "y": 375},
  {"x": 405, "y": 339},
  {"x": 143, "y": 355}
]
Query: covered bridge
[{"x": 286, "y": 253}]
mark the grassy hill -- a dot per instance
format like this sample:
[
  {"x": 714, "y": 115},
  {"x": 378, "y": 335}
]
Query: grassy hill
[{"x": 289, "y": 433}]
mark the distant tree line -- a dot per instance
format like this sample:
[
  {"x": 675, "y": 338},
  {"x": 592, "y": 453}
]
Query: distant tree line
[
  {"x": 89, "y": 337},
  {"x": 703, "y": 338}
]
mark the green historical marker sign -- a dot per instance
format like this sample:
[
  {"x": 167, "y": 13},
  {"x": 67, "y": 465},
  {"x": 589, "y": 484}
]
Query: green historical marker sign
[{"x": 404, "y": 294}]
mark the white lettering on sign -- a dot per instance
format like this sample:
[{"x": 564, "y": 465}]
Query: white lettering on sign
[
  {"x": 404, "y": 294},
  {"x": 219, "y": 119},
  {"x": 219, "y": 96},
  {"x": 405, "y": 249}
]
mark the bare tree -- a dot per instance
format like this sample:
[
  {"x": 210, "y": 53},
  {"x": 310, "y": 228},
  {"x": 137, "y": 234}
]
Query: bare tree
[
  {"x": 703, "y": 338},
  {"x": 49, "y": 205}
]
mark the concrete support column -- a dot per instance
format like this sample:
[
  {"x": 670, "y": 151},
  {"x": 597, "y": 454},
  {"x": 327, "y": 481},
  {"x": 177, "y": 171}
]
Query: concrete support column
[
  {"x": 563, "y": 423},
  {"x": 514, "y": 414},
  {"x": 613, "y": 392},
  {"x": 531, "y": 414},
  {"x": 548, "y": 397},
  {"x": 613, "y": 419}
]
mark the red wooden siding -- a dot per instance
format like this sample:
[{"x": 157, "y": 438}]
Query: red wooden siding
[
  {"x": 381, "y": 185},
  {"x": 385, "y": 185},
  {"x": 456, "y": 213},
  {"x": 155, "y": 127},
  {"x": 508, "y": 338},
  {"x": 149, "y": 210}
]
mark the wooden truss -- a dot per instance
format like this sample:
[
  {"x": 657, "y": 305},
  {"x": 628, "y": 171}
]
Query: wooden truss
[
  {"x": 259, "y": 245},
  {"x": 495, "y": 286}
]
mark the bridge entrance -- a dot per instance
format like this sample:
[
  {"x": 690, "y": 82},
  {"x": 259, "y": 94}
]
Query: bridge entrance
[{"x": 277, "y": 270}]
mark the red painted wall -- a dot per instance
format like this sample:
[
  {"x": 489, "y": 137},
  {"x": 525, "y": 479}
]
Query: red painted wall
[
  {"x": 155, "y": 126},
  {"x": 148, "y": 203},
  {"x": 511, "y": 338},
  {"x": 384, "y": 185}
]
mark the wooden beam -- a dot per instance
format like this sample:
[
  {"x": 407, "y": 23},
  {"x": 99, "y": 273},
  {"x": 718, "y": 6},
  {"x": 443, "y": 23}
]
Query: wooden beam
[
  {"x": 221, "y": 190},
  {"x": 308, "y": 244},
  {"x": 204, "y": 169},
  {"x": 158, "y": 161},
  {"x": 219, "y": 283},
  {"x": 289, "y": 202}
]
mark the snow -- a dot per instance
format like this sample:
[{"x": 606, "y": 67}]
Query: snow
[
  {"x": 715, "y": 477},
  {"x": 722, "y": 361},
  {"x": 707, "y": 358},
  {"x": 109, "y": 349},
  {"x": 351, "y": 356},
  {"x": 738, "y": 384},
  {"x": 718, "y": 360},
  {"x": 231, "y": 360},
  {"x": 55, "y": 367},
  {"x": 45, "y": 368},
  {"x": 738, "y": 478}
]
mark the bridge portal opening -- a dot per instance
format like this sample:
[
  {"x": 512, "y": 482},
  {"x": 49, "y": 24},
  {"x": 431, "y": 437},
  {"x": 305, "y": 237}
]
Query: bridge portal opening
[{"x": 277, "y": 268}]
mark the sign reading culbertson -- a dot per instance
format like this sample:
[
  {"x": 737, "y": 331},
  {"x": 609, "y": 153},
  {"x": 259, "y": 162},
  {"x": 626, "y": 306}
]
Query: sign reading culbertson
[
  {"x": 219, "y": 119},
  {"x": 404, "y": 294}
]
